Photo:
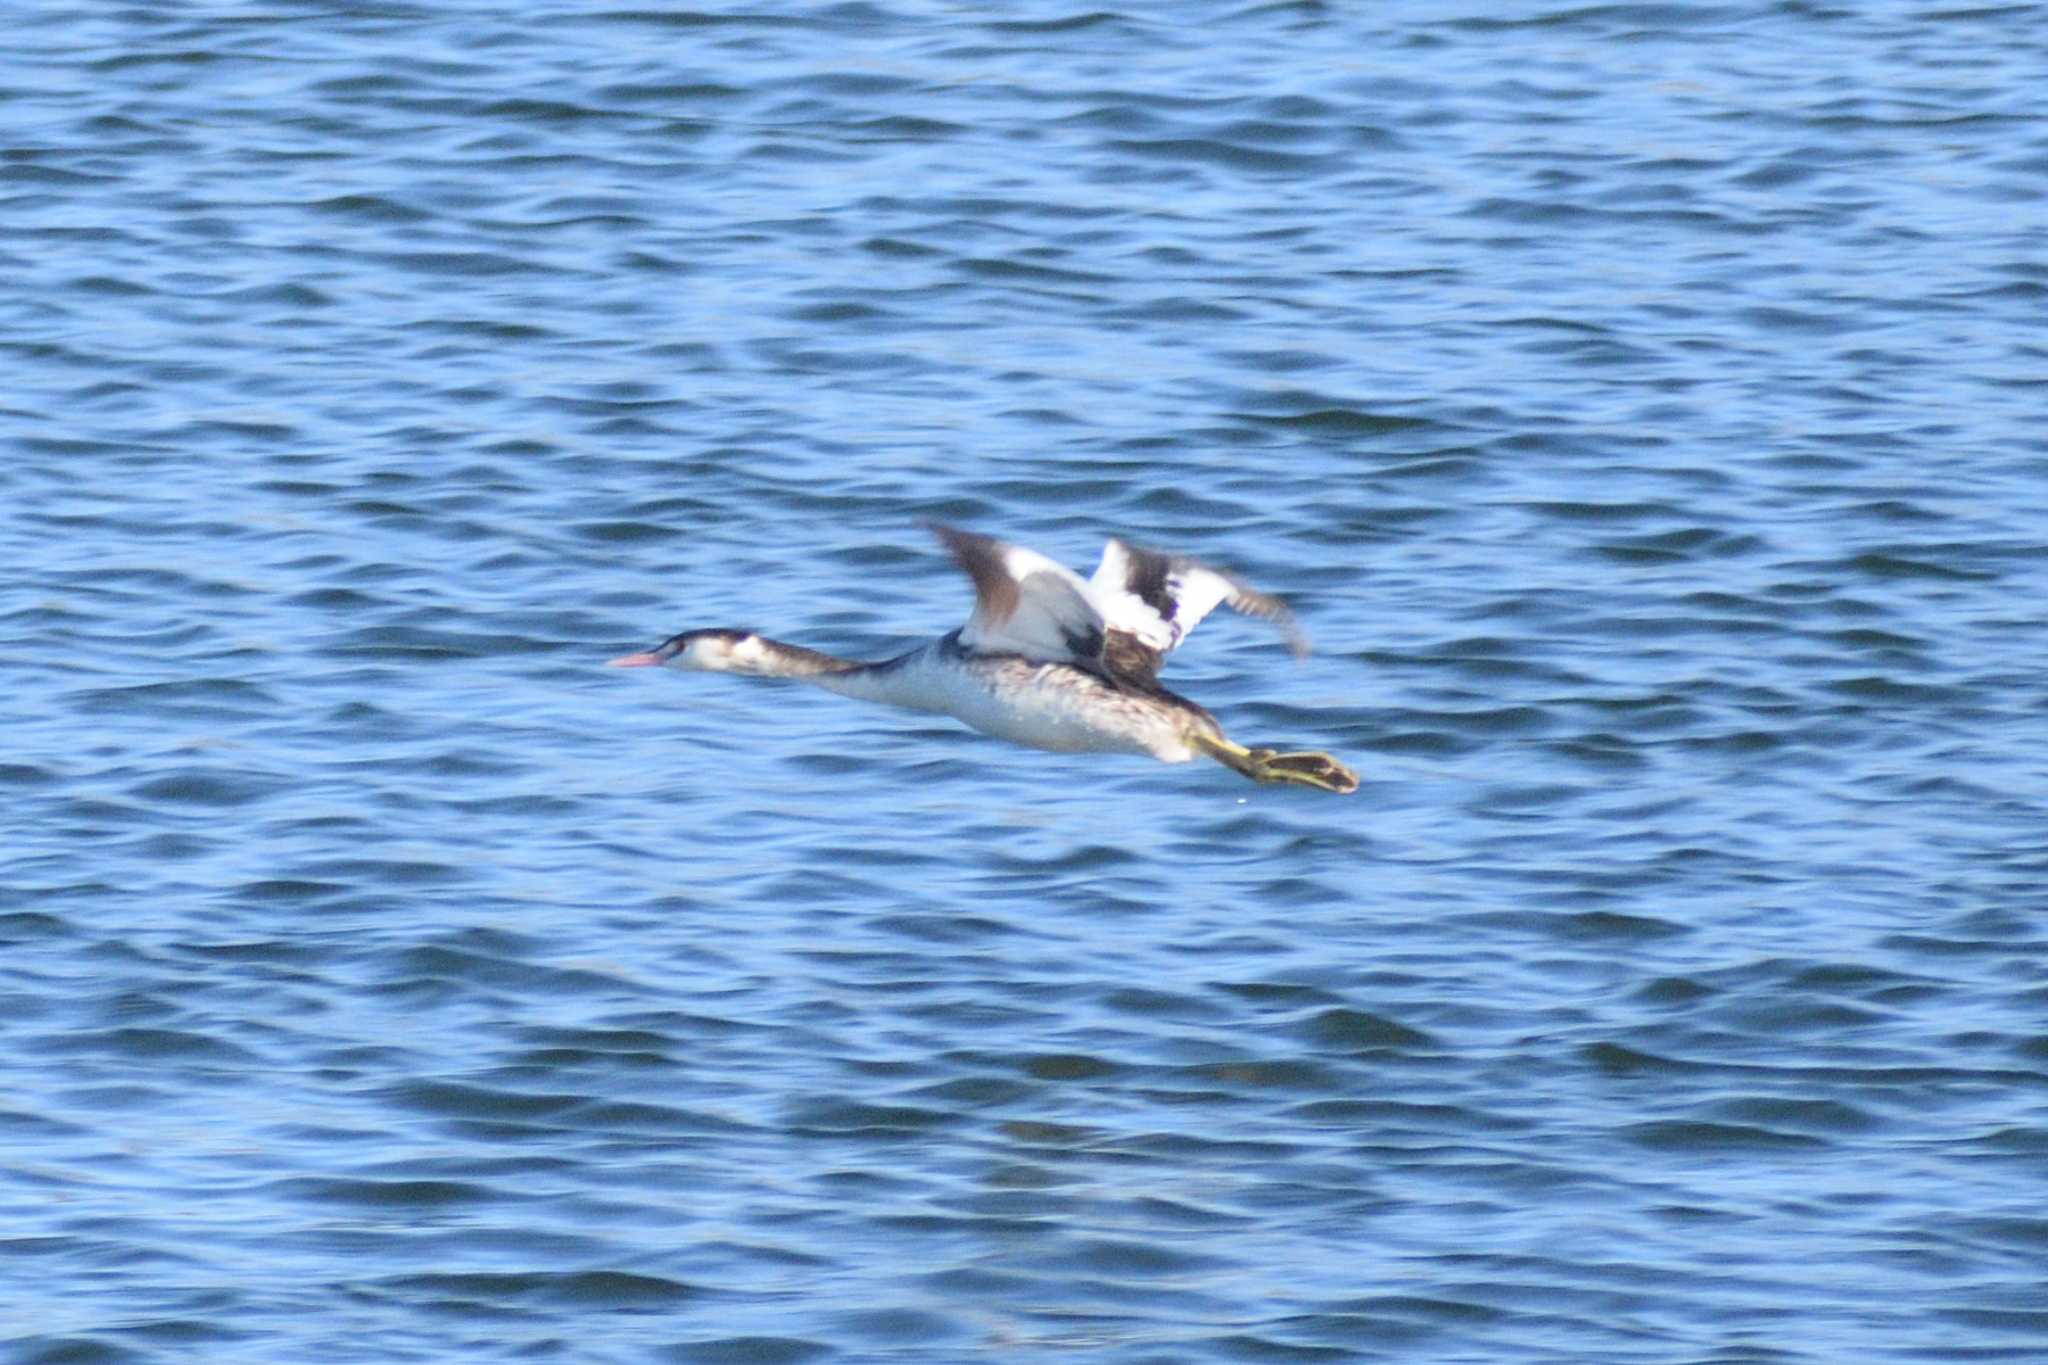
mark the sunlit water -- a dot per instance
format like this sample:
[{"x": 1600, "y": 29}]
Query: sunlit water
[{"x": 1640, "y": 404}]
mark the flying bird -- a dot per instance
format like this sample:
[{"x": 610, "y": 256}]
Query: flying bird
[{"x": 1047, "y": 659}]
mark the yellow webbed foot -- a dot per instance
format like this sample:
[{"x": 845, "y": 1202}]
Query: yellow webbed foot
[
  {"x": 1307, "y": 767},
  {"x": 1304, "y": 767}
]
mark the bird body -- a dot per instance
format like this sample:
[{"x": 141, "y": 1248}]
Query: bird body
[{"x": 1047, "y": 659}]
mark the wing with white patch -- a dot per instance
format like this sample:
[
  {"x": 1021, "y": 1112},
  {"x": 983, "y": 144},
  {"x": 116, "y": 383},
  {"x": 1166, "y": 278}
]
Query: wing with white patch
[
  {"x": 1155, "y": 599},
  {"x": 1025, "y": 603}
]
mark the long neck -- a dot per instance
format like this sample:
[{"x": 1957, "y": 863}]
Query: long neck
[
  {"x": 882, "y": 682},
  {"x": 762, "y": 657}
]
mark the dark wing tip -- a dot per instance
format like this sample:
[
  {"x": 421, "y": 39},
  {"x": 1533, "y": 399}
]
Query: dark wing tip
[
  {"x": 1249, "y": 601},
  {"x": 995, "y": 591},
  {"x": 965, "y": 546}
]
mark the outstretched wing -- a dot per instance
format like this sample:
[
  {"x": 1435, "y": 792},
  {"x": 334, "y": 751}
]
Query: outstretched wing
[
  {"x": 1150, "y": 601},
  {"x": 1025, "y": 603}
]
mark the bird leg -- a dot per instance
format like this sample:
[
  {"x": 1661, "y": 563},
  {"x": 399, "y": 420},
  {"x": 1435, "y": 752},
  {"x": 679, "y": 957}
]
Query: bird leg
[{"x": 1307, "y": 767}]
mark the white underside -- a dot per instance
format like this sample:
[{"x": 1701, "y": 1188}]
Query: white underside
[{"x": 1043, "y": 706}]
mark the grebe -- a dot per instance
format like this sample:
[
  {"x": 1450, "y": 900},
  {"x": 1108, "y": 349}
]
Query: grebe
[{"x": 1047, "y": 659}]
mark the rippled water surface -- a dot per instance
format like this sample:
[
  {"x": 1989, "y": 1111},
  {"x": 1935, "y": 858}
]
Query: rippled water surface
[{"x": 1642, "y": 406}]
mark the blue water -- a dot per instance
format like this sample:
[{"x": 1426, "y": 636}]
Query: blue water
[{"x": 1641, "y": 406}]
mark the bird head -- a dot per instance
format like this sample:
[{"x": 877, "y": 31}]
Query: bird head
[{"x": 702, "y": 651}]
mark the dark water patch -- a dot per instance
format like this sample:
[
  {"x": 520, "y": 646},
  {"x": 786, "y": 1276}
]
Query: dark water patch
[
  {"x": 1675, "y": 991},
  {"x": 1941, "y": 946},
  {"x": 2029, "y": 1324},
  {"x": 1608, "y": 926},
  {"x": 843, "y": 311},
  {"x": 1885, "y": 566},
  {"x": 481, "y": 265},
  {"x": 373, "y": 207},
  {"x": 843, "y": 1116},
  {"x": 906, "y": 128},
  {"x": 1069, "y": 23},
  {"x": 606, "y": 1290},
  {"x": 25, "y": 926},
  {"x": 1054, "y": 1138},
  {"x": 1270, "y": 995},
  {"x": 902, "y": 1327},
  {"x": 1066, "y": 1067},
  {"x": 1602, "y": 512},
  {"x": 1188, "y": 504},
  {"x": 1874, "y": 640},
  {"x": 1709, "y": 1139},
  {"x": 1336, "y": 422},
  {"x": 106, "y": 285},
  {"x": 977, "y": 1092},
  {"x": 466, "y": 764},
  {"x": 1848, "y": 978},
  {"x": 71, "y": 1350},
  {"x": 275, "y": 953},
  {"x": 295, "y": 298},
  {"x": 2026, "y": 1235},
  {"x": 640, "y": 1043},
  {"x": 960, "y": 1226},
  {"x": 1504, "y": 720},
  {"x": 33, "y": 1127},
  {"x": 218, "y": 699},
  {"x": 1226, "y": 154},
  {"x": 1265, "y": 1075},
  {"x": 1087, "y": 857},
  {"x": 1163, "y": 1005},
  {"x": 1610, "y": 752},
  {"x": 972, "y": 1283},
  {"x": 1675, "y": 547},
  {"x": 184, "y": 1334},
  {"x": 1177, "y": 309},
  {"x": 1817, "y": 1118},
  {"x": 1621, "y": 1060},
  {"x": 219, "y": 788},
  {"x": 423, "y": 1196},
  {"x": 381, "y": 872},
  {"x": 629, "y": 531},
  {"x": 1796, "y": 321},
  {"x": 415, "y": 644},
  {"x": 26, "y": 775},
  {"x": 953, "y": 929},
  {"x": 1883, "y": 689},
  {"x": 1258, "y": 1347},
  {"x": 1423, "y": 744},
  {"x": 748, "y": 1350},
  {"x": 452, "y": 1100},
  {"x": 1351, "y": 1030},
  {"x": 444, "y": 964},
  {"x": 1126, "y": 1260},
  {"x": 668, "y": 92},
  {"x": 544, "y": 111},
  {"x": 154, "y": 1045},
  {"x": 1027, "y": 272}
]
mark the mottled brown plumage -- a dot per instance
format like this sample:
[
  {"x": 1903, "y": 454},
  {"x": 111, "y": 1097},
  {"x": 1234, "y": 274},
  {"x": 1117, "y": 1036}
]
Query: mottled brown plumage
[{"x": 1046, "y": 658}]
